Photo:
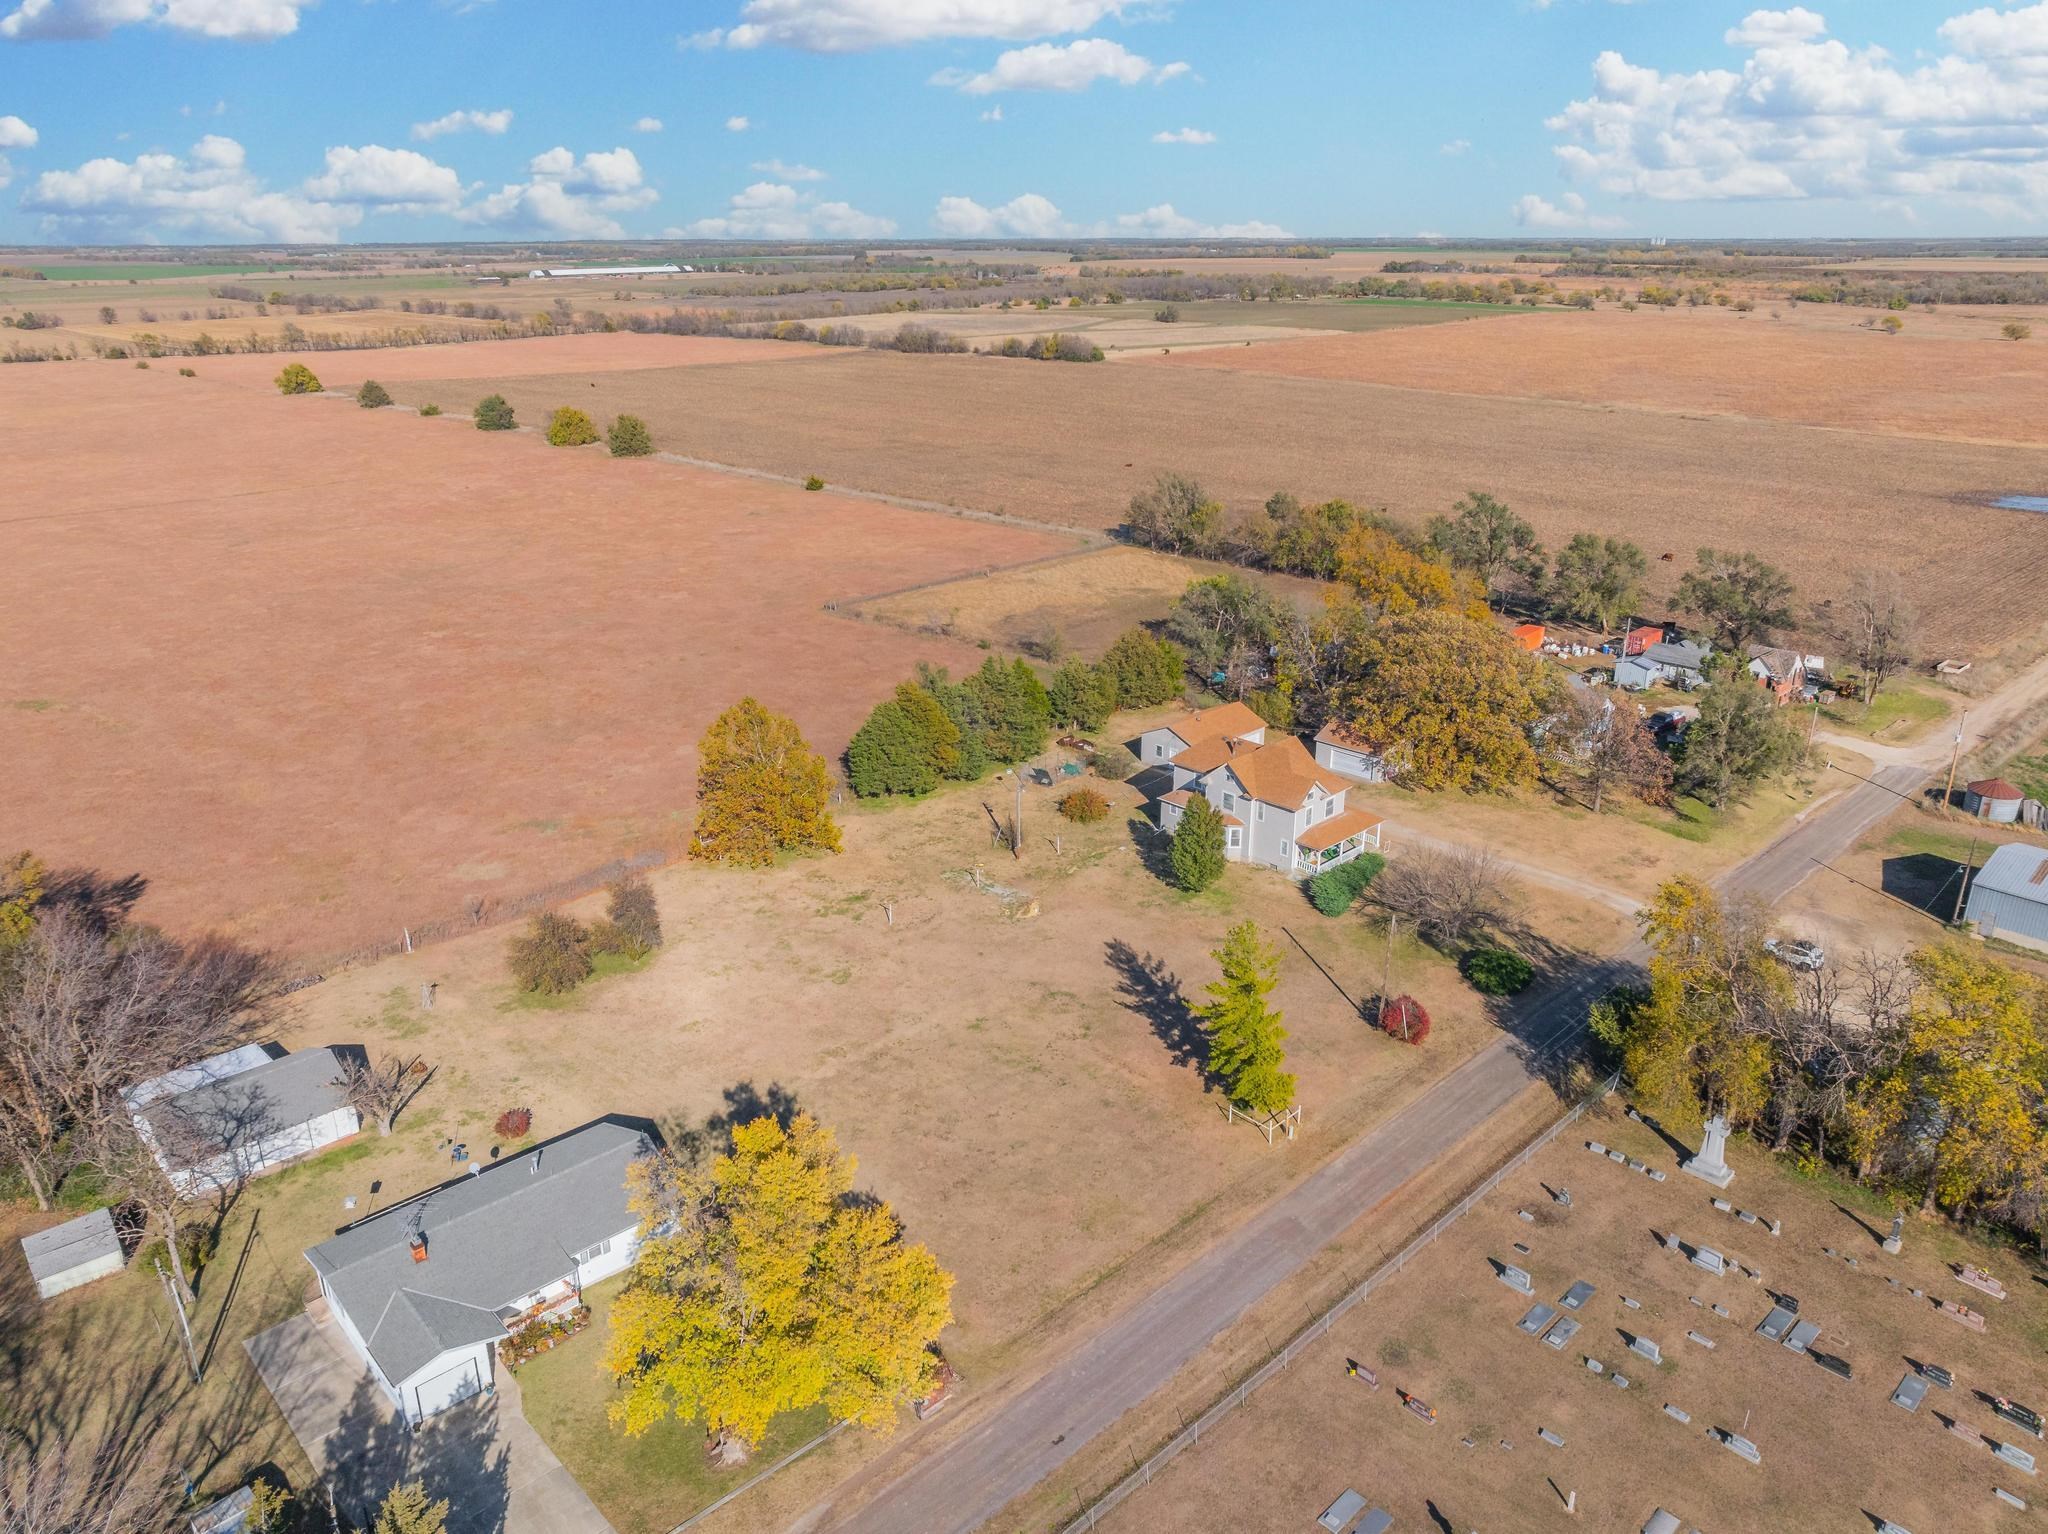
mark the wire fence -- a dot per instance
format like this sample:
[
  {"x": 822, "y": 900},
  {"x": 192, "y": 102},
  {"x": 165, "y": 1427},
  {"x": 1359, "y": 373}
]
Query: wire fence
[{"x": 1317, "y": 1329}]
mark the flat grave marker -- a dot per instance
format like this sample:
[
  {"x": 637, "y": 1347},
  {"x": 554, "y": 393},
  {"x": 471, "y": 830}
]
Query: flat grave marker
[
  {"x": 1539, "y": 1317},
  {"x": 1911, "y": 1392},
  {"x": 1338, "y": 1515},
  {"x": 1562, "y": 1333}
]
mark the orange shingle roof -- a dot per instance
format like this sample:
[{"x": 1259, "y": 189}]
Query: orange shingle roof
[
  {"x": 1282, "y": 772},
  {"x": 1327, "y": 833},
  {"x": 1226, "y": 721}
]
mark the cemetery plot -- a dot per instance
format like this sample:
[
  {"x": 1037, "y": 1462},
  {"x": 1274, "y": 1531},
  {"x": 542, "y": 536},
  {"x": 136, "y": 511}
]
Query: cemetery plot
[{"x": 1754, "y": 1395}]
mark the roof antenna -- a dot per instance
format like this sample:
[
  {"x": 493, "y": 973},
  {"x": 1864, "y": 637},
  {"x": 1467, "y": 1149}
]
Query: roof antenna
[{"x": 534, "y": 1165}]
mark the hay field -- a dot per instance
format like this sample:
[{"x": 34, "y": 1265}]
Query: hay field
[
  {"x": 1833, "y": 1451},
  {"x": 319, "y": 671},
  {"x": 1704, "y": 360},
  {"x": 1071, "y": 443},
  {"x": 618, "y": 353}
]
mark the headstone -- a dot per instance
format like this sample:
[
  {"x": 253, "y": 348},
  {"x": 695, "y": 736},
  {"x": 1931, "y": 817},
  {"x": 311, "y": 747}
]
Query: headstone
[
  {"x": 1723, "y": 1205},
  {"x": 1886, "y": 1526},
  {"x": 1940, "y": 1376},
  {"x": 1777, "y": 1323},
  {"x": 1537, "y": 1319},
  {"x": 1656, "y": 1175},
  {"x": 1515, "y": 1278},
  {"x": 1522, "y": 1247},
  {"x": 1420, "y": 1407},
  {"x": 1338, "y": 1515},
  {"x": 1962, "y": 1315},
  {"x": 1896, "y": 1239},
  {"x": 2015, "y": 1456},
  {"x": 1918, "y": 1294},
  {"x": 1575, "y": 1297},
  {"x": 1710, "y": 1164},
  {"x": 1695, "y": 1299},
  {"x": 1564, "y": 1197},
  {"x": 1834, "y": 1364},
  {"x": 1594, "y": 1366},
  {"x": 1636, "y": 1166},
  {"x": 1596, "y": 1147},
  {"x": 2008, "y": 1498},
  {"x": 1979, "y": 1279},
  {"x": 1705, "y": 1342},
  {"x": 1631, "y": 1304},
  {"x": 1523, "y": 1214},
  {"x": 1776, "y": 1228},
  {"x": 1670, "y": 1240},
  {"x": 1676, "y": 1413},
  {"x": 1615, "y": 1155},
  {"x": 1737, "y": 1444},
  {"x": 1620, "y": 1379},
  {"x": 1911, "y": 1392},
  {"x": 1643, "y": 1347},
  {"x": 1800, "y": 1338},
  {"x": 1549, "y": 1437},
  {"x": 1745, "y": 1217},
  {"x": 1634, "y": 1117},
  {"x": 1706, "y": 1257},
  {"x": 1964, "y": 1431},
  {"x": 1561, "y": 1333},
  {"x": 1721, "y": 1311}
]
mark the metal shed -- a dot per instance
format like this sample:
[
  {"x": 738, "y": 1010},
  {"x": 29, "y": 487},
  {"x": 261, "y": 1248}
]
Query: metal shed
[
  {"x": 1993, "y": 799},
  {"x": 74, "y": 1253},
  {"x": 2009, "y": 896}
]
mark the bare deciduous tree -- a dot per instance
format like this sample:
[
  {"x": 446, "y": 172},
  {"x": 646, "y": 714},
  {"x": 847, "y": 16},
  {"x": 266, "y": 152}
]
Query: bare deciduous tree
[
  {"x": 1449, "y": 894},
  {"x": 1877, "y": 626},
  {"x": 382, "y": 1091},
  {"x": 63, "y": 1489}
]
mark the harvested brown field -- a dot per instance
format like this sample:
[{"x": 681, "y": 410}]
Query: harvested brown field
[
  {"x": 1071, "y": 443},
  {"x": 620, "y": 353},
  {"x": 1711, "y": 361},
  {"x": 318, "y": 671},
  {"x": 1835, "y": 1453},
  {"x": 1086, "y": 599}
]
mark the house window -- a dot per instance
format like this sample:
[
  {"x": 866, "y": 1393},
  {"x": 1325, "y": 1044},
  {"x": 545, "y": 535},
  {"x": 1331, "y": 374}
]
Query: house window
[
  {"x": 1229, "y": 801},
  {"x": 1258, "y": 809},
  {"x": 1286, "y": 849},
  {"x": 591, "y": 1254},
  {"x": 1159, "y": 748},
  {"x": 1235, "y": 838}
]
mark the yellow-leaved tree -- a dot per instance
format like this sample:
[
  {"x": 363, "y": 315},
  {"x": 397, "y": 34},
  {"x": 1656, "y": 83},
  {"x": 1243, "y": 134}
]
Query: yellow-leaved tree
[
  {"x": 1392, "y": 579},
  {"x": 761, "y": 790},
  {"x": 763, "y": 1286}
]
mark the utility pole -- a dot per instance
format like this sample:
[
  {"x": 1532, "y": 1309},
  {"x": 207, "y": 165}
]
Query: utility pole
[
  {"x": 184, "y": 1325},
  {"x": 1387, "y": 982},
  {"x": 1964, "y": 888},
  {"x": 1017, "y": 820},
  {"x": 1955, "y": 756}
]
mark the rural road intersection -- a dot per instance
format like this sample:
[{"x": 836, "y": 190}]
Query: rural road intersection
[{"x": 968, "y": 1478}]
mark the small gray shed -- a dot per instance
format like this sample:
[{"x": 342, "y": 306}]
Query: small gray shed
[
  {"x": 74, "y": 1253},
  {"x": 2009, "y": 896}
]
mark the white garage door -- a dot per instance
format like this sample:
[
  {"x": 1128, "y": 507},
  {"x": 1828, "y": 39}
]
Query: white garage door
[{"x": 444, "y": 1390}]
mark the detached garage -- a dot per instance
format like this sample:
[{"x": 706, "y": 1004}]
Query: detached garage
[
  {"x": 238, "y": 1115},
  {"x": 74, "y": 1253},
  {"x": 2009, "y": 896}
]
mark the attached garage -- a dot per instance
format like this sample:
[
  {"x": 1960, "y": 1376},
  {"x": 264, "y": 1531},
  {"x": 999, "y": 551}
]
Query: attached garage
[
  {"x": 441, "y": 1387},
  {"x": 1341, "y": 751}
]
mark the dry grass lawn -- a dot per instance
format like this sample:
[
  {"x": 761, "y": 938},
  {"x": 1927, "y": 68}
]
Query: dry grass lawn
[
  {"x": 1071, "y": 443},
  {"x": 1836, "y": 1454}
]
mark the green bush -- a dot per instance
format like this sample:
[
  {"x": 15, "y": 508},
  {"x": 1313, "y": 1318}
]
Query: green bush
[
  {"x": 187, "y": 373},
  {"x": 552, "y": 955},
  {"x": 1336, "y": 890},
  {"x": 430, "y": 410},
  {"x": 630, "y": 438},
  {"x": 1498, "y": 971},
  {"x": 297, "y": 378},
  {"x": 814, "y": 483},
  {"x": 197, "y": 1243},
  {"x": 1197, "y": 856},
  {"x": 570, "y": 427},
  {"x": 1084, "y": 806},
  {"x": 373, "y": 395},
  {"x": 1114, "y": 763},
  {"x": 494, "y": 413}
]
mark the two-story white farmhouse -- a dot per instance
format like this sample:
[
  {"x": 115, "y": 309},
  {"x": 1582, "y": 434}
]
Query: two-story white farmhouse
[{"x": 1280, "y": 808}]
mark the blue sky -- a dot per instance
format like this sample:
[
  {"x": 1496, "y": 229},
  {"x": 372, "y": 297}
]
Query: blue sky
[{"x": 325, "y": 120}]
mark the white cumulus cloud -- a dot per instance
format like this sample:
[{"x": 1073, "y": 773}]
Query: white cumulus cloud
[
  {"x": 1807, "y": 115},
  {"x": 782, "y": 172},
  {"x": 846, "y": 26},
  {"x": 647, "y": 125},
  {"x": 1164, "y": 221},
  {"x": 771, "y": 210},
  {"x": 208, "y": 191},
  {"x": 993, "y": 115},
  {"x": 248, "y": 20},
  {"x": 465, "y": 122},
  {"x": 16, "y": 134},
  {"x": 1061, "y": 67},
  {"x": 1568, "y": 212},
  {"x": 397, "y": 180},
  {"x": 567, "y": 196},
  {"x": 1029, "y": 216},
  {"x": 1183, "y": 136},
  {"x": 1456, "y": 146},
  {"x": 737, "y": 125}
]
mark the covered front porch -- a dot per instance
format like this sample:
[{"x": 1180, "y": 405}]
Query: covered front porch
[{"x": 1336, "y": 840}]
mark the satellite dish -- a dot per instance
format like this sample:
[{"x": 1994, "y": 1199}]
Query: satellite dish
[{"x": 475, "y": 1167}]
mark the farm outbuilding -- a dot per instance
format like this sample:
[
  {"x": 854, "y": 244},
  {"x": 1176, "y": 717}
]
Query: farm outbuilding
[
  {"x": 2009, "y": 896},
  {"x": 74, "y": 1253},
  {"x": 1993, "y": 799},
  {"x": 236, "y": 1115}
]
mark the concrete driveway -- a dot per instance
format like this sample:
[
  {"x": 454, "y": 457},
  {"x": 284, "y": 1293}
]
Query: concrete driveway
[{"x": 483, "y": 1456}]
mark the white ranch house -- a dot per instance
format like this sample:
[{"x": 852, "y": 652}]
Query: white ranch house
[
  {"x": 426, "y": 1290},
  {"x": 1281, "y": 808}
]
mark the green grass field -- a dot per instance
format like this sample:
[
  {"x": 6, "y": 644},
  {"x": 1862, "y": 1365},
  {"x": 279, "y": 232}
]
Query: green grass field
[
  {"x": 1902, "y": 712},
  {"x": 123, "y": 270}
]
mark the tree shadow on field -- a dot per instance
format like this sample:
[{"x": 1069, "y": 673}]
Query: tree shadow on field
[
  {"x": 744, "y": 1103},
  {"x": 1147, "y": 987},
  {"x": 103, "y": 901},
  {"x": 1154, "y": 848}
]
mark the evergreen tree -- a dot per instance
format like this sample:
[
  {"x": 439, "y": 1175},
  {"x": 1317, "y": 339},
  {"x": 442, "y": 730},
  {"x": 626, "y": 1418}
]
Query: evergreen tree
[
  {"x": 1083, "y": 696},
  {"x": 494, "y": 413},
  {"x": 1198, "y": 857},
  {"x": 406, "y": 1510},
  {"x": 970, "y": 721},
  {"x": 1147, "y": 671},
  {"x": 1245, "y": 1037},
  {"x": 890, "y": 755},
  {"x": 1018, "y": 712},
  {"x": 373, "y": 395},
  {"x": 934, "y": 726},
  {"x": 629, "y": 438}
]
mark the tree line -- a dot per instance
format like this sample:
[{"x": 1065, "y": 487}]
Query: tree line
[{"x": 1926, "y": 1075}]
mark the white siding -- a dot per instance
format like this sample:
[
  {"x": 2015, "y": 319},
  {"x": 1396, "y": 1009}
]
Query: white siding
[
  {"x": 273, "y": 1150},
  {"x": 1159, "y": 745},
  {"x": 623, "y": 1246},
  {"x": 72, "y": 1278},
  {"x": 451, "y": 1377},
  {"x": 355, "y": 1339}
]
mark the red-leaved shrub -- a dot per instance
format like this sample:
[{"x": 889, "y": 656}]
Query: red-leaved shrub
[
  {"x": 513, "y": 1123},
  {"x": 1404, "y": 1018}
]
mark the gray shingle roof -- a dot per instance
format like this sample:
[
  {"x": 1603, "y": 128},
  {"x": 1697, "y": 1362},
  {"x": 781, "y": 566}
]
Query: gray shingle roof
[
  {"x": 491, "y": 1239},
  {"x": 248, "y": 1106},
  {"x": 73, "y": 1244},
  {"x": 2018, "y": 869},
  {"x": 1689, "y": 656}
]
